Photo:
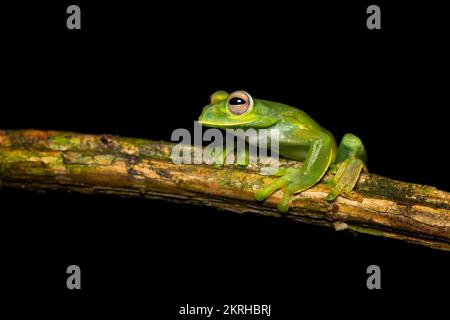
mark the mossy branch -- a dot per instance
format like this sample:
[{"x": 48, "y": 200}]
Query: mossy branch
[{"x": 142, "y": 168}]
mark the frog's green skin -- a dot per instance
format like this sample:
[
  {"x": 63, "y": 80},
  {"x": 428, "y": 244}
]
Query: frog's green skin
[{"x": 300, "y": 138}]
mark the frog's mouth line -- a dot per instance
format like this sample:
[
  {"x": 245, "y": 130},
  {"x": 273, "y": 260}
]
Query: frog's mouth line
[{"x": 218, "y": 125}]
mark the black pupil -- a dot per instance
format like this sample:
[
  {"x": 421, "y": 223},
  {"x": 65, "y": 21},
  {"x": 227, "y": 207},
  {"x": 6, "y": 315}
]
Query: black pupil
[{"x": 236, "y": 101}]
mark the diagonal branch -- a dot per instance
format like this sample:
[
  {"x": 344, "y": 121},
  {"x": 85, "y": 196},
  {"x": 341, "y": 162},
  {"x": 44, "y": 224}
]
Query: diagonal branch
[{"x": 108, "y": 164}]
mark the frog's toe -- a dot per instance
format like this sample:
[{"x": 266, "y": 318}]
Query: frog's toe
[
  {"x": 266, "y": 191},
  {"x": 331, "y": 183},
  {"x": 331, "y": 196},
  {"x": 286, "y": 202},
  {"x": 333, "y": 169},
  {"x": 260, "y": 195},
  {"x": 345, "y": 179}
]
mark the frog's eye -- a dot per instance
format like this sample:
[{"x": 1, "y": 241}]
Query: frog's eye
[{"x": 239, "y": 102}]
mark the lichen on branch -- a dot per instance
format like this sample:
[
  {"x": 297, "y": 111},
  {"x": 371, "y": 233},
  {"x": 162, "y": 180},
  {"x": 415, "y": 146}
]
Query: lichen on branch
[{"x": 105, "y": 164}]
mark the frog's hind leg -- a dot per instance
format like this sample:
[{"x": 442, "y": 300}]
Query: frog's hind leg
[
  {"x": 350, "y": 159},
  {"x": 294, "y": 180}
]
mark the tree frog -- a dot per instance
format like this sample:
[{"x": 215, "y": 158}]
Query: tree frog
[{"x": 300, "y": 138}]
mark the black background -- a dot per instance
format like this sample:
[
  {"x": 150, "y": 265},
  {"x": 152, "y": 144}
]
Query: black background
[{"x": 145, "y": 70}]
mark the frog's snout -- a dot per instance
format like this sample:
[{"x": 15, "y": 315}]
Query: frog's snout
[{"x": 204, "y": 113}]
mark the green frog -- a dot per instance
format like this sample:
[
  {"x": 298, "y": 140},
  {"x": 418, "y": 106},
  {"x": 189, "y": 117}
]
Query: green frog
[{"x": 300, "y": 138}]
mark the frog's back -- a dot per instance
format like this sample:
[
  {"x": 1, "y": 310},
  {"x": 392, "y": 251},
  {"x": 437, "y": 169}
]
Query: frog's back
[{"x": 285, "y": 110}]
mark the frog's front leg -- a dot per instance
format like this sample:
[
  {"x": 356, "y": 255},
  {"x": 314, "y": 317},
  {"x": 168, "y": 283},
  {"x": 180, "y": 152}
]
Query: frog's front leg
[
  {"x": 294, "y": 180},
  {"x": 351, "y": 158}
]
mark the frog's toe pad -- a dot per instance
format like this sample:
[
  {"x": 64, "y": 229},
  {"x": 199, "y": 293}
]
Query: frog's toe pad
[
  {"x": 260, "y": 195},
  {"x": 286, "y": 202},
  {"x": 331, "y": 196}
]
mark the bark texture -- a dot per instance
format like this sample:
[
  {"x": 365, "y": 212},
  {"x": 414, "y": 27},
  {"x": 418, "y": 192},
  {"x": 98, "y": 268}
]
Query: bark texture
[{"x": 93, "y": 164}]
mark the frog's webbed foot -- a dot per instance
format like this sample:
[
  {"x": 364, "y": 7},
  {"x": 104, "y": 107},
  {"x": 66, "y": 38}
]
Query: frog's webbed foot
[
  {"x": 350, "y": 160},
  {"x": 346, "y": 176},
  {"x": 288, "y": 182}
]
